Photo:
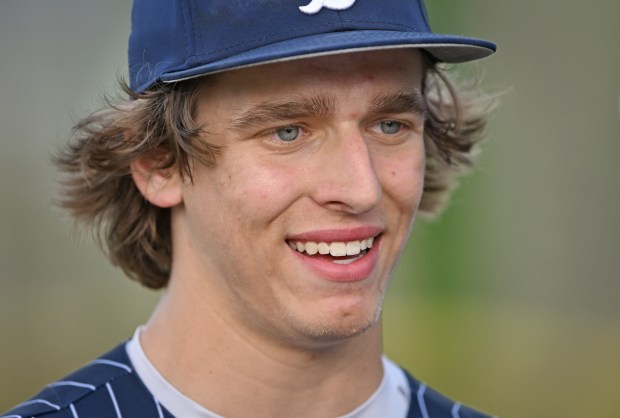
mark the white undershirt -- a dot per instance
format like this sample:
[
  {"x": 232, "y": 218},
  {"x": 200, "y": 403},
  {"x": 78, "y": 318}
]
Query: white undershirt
[{"x": 391, "y": 399}]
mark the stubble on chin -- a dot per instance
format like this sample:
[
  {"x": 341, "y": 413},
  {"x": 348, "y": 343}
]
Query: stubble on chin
[{"x": 336, "y": 329}]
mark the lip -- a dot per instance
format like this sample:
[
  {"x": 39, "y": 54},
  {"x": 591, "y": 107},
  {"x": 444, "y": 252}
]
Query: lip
[
  {"x": 356, "y": 271},
  {"x": 337, "y": 235}
]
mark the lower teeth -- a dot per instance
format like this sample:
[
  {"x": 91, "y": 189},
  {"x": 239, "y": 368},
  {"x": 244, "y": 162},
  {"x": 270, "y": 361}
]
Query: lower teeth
[{"x": 349, "y": 260}]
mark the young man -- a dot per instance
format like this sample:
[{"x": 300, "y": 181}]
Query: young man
[{"x": 266, "y": 172}]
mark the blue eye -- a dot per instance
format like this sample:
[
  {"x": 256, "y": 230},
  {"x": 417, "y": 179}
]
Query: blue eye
[
  {"x": 288, "y": 133},
  {"x": 390, "y": 127}
]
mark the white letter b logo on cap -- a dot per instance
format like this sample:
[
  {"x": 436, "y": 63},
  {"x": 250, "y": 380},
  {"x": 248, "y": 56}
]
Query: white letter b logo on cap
[{"x": 316, "y": 5}]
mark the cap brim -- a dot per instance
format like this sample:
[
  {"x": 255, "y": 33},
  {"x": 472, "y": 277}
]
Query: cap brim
[{"x": 445, "y": 48}]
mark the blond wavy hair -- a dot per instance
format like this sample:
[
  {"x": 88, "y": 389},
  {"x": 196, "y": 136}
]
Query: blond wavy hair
[{"x": 98, "y": 189}]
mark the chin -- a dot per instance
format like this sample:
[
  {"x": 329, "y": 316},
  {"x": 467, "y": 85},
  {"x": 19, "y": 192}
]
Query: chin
[{"x": 340, "y": 328}]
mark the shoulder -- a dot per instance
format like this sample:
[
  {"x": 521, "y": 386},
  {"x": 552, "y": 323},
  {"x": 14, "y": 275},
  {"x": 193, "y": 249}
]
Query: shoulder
[
  {"x": 105, "y": 387},
  {"x": 427, "y": 402}
]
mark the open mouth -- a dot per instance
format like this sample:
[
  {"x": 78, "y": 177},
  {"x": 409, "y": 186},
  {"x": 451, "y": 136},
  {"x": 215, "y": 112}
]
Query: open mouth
[{"x": 335, "y": 252}]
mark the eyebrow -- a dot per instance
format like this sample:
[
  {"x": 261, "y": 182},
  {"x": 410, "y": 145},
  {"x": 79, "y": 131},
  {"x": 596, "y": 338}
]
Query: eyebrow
[
  {"x": 267, "y": 112},
  {"x": 408, "y": 101},
  {"x": 272, "y": 111}
]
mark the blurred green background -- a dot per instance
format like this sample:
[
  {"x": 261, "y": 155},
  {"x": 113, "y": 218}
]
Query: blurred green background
[{"x": 510, "y": 301}]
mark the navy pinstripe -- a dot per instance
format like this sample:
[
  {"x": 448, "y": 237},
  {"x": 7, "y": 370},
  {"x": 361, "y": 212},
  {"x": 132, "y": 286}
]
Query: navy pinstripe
[
  {"x": 428, "y": 403},
  {"x": 104, "y": 388},
  {"x": 108, "y": 388}
]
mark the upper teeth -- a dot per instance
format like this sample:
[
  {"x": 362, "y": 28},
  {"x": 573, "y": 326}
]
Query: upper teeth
[{"x": 335, "y": 249}]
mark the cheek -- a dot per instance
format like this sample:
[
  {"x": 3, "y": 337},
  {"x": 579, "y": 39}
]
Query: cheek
[
  {"x": 403, "y": 177},
  {"x": 256, "y": 191}
]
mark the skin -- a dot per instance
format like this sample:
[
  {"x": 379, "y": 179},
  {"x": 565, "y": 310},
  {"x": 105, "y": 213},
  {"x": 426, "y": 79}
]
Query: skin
[{"x": 246, "y": 325}]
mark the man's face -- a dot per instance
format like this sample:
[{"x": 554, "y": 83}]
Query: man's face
[{"x": 321, "y": 154}]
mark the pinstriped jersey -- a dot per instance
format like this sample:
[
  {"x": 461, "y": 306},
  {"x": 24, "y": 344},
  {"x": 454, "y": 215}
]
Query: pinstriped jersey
[
  {"x": 109, "y": 388},
  {"x": 104, "y": 388}
]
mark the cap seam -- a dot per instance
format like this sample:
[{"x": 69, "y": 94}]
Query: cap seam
[
  {"x": 309, "y": 27},
  {"x": 423, "y": 12}
]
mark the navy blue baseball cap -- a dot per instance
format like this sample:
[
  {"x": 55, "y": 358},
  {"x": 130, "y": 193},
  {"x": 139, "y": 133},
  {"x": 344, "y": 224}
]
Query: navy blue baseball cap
[{"x": 174, "y": 40}]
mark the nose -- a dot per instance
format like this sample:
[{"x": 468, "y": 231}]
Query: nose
[{"x": 347, "y": 178}]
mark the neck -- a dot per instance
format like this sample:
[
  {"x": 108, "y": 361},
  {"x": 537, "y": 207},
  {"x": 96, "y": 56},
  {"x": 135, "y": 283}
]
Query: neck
[{"x": 236, "y": 372}]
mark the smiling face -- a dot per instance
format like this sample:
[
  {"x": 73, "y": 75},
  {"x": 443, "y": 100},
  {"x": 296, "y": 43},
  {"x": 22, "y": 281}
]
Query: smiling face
[{"x": 295, "y": 231}]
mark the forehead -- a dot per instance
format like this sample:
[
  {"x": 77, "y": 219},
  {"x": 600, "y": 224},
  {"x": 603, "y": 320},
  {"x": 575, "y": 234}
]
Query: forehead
[{"x": 383, "y": 69}]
